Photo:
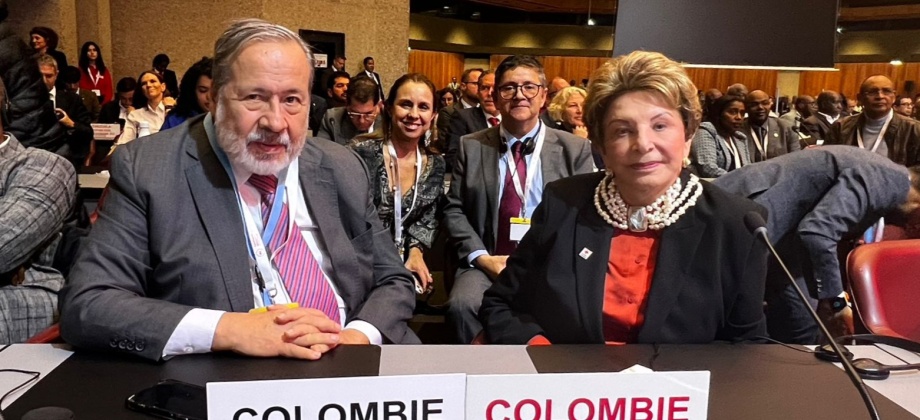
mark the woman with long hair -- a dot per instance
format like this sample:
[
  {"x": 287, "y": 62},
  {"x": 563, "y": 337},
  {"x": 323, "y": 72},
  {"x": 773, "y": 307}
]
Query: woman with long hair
[
  {"x": 719, "y": 145},
  {"x": 409, "y": 176},
  {"x": 45, "y": 41},
  {"x": 94, "y": 75},
  {"x": 150, "y": 107},
  {"x": 195, "y": 98}
]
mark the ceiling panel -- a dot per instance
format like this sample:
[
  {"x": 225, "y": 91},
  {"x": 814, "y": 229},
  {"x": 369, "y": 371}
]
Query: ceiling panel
[{"x": 607, "y": 7}]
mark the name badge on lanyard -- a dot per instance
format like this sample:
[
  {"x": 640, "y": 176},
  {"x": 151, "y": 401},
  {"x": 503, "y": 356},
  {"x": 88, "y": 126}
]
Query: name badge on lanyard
[
  {"x": 881, "y": 133},
  {"x": 520, "y": 225},
  {"x": 398, "y": 217}
]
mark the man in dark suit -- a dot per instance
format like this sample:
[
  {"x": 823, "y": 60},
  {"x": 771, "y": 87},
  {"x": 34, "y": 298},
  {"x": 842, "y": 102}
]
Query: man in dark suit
[
  {"x": 470, "y": 120},
  {"x": 817, "y": 198},
  {"x": 359, "y": 116},
  {"x": 469, "y": 98},
  {"x": 485, "y": 194},
  {"x": 115, "y": 112},
  {"x": 767, "y": 136},
  {"x": 72, "y": 83},
  {"x": 160, "y": 64},
  {"x": 818, "y": 125},
  {"x": 71, "y": 113},
  {"x": 369, "y": 71},
  {"x": 878, "y": 128},
  {"x": 181, "y": 234}
]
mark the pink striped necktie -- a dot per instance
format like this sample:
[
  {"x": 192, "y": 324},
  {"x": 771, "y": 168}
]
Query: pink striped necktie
[{"x": 303, "y": 278}]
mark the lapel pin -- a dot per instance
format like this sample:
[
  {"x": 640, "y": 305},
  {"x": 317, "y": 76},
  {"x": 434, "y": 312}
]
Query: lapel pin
[
  {"x": 585, "y": 253},
  {"x": 775, "y": 134}
]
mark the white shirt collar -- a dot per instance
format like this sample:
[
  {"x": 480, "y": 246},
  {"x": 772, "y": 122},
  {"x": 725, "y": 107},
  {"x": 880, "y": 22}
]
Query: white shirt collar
[{"x": 829, "y": 118}]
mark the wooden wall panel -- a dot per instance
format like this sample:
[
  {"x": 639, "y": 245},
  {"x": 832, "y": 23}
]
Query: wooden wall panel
[
  {"x": 851, "y": 75},
  {"x": 438, "y": 66},
  {"x": 716, "y": 78}
]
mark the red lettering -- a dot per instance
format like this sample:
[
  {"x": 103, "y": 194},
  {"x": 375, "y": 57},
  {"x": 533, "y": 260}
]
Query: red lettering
[
  {"x": 660, "y": 408},
  {"x": 492, "y": 405},
  {"x": 618, "y": 413},
  {"x": 585, "y": 402},
  {"x": 645, "y": 409},
  {"x": 673, "y": 408},
  {"x": 536, "y": 409}
]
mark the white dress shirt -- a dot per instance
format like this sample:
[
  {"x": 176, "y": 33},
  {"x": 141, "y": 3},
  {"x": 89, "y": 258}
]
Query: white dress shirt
[
  {"x": 152, "y": 116},
  {"x": 195, "y": 332}
]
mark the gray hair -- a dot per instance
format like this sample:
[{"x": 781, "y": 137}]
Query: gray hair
[
  {"x": 239, "y": 35},
  {"x": 47, "y": 60}
]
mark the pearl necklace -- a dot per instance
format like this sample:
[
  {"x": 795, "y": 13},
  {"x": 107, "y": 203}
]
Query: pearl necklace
[{"x": 663, "y": 212}]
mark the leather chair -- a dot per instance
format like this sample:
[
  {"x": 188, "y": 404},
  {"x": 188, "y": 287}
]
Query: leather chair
[{"x": 883, "y": 277}]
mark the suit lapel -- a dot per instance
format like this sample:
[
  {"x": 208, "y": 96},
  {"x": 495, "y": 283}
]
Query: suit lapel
[
  {"x": 316, "y": 183},
  {"x": 551, "y": 162},
  {"x": 489, "y": 162},
  {"x": 218, "y": 210},
  {"x": 675, "y": 259},
  {"x": 594, "y": 234}
]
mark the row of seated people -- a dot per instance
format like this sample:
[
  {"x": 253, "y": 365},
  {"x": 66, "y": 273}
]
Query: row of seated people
[{"x": 238, "y": 234}]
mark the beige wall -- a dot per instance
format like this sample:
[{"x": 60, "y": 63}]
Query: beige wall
[
  {"x": 131, "y": 32},
  {"x": 874, "y": 46}
]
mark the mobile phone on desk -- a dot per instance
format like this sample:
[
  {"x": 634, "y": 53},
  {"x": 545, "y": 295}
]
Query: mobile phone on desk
[{"x": 171, "y": 399}]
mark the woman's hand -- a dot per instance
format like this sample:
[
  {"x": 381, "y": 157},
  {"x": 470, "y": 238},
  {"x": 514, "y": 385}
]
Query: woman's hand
[
  {"x": 416, "y": 264},
  {"x": 580, "y": 131},
  {"x": 169, "y": 102}
]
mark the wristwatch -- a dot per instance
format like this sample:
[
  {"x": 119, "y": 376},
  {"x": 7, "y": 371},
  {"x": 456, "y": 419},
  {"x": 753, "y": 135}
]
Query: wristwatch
[{"x": 840, "y": 302}]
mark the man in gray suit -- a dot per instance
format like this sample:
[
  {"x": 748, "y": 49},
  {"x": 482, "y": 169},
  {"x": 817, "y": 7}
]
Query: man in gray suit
[
  {"x": 500, "y": 173},
  {"x": 817, "y": 198},
  {"x": 767, "y": 137},
  {"x": 358, "y": 116},
  {"x": 236, "y": 211}
]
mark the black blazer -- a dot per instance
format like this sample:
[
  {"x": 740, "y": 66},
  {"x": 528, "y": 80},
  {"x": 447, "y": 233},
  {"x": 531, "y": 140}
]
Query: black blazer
[
  {"x": 708, "y": 283},
  {"x": 109, "y": 114},
  {"x": 172, "y": 84},
  {"x": 78, "y": 138},
  {"x": 463, "y": 122}
]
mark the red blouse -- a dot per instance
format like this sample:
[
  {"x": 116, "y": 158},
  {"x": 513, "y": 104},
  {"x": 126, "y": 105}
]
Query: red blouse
[
  {"x": 630, "y": 268},
  {"x": 93, "y": 80}
]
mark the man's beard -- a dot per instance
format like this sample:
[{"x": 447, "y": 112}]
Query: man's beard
[{"x": 235, "y": 146}]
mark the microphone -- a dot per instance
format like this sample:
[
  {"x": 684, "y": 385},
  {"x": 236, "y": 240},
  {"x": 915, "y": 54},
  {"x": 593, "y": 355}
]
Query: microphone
[{"x": 757, "y": 226}]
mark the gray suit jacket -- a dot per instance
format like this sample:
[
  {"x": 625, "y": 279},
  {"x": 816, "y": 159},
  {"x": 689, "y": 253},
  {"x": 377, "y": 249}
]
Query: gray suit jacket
[
  {"x": 169, "y": 238},
  {"x": 782, "y": 140},
  {"x": 336, "y": 126},
  {"x": 472, "y": 205},
  {"x": 463, "y": 122},
  {"x": 822, "y": 195}
]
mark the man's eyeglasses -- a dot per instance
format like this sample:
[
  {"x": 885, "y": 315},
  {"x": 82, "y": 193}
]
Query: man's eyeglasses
[
  {"x": 529, "y": 90},
  {"x": 878, "y": 92},
  {"x": 362, "y": 115}
]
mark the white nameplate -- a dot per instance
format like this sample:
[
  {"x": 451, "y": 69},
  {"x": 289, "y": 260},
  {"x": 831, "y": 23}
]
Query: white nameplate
[
  {"x": 105, "y": 131},
  {"x": 589, "y": 396},
  {"x": 422, "y": 397}
]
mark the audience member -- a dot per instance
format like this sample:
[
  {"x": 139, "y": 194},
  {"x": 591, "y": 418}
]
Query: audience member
[
  {"x": 71, "y": 76},
  {"x": 181, "y": 233},
  {"x": 905, "y": 106},
  {"x": 555, "y": 86},
  {"x": 818, "y": 125},
  {"x": 819, "y": 198},
  {"x": 317, "y": 111},
  {"x": 453, "y": 85},
  {"x": 369, "y": 67},
  {"x": 719, "y": 145},
  {"x": 70, "y": 113},
  {"x": 359, "y": 116},
  {"x": 321, "y": 82},
  {"x": 469, "y": 98},
  {"x": 878, "y": 128},
  {"x": 737, "y": 89},
  {"x": 803, "y": 107},
  {"x": 196, "y": 83},
  {"x": 471, "y": 120},
  {"x": 620, "y": 257},
  {"x": 709, "y": 97},
  {"x": 337, "y": 89},
  {"x": 94, "y": 75},
  {"x": 150, "y": 107},
  {"x": 116, "y": 112},
  {"x": 45, "y": 41},
  {"x": 500, "y": 175},
  {"x": 37, "y": 192},
  {"x": 767, "y": 136},
  {"x": 402, "y": 168},
  {"x": 167, "y": 76},
  {"x": 567, "y": 111},
  {"x": 447, "y": 97}
]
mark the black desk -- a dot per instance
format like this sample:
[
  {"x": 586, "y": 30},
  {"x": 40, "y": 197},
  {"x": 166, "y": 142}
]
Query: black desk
[{"x": 748, "y": 381}]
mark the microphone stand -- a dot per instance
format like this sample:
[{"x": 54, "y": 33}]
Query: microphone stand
[{"x": 847, "y": 365}]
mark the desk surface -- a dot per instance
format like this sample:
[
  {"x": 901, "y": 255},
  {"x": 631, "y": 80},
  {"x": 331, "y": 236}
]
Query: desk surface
[{"x": 748, "y": 381}]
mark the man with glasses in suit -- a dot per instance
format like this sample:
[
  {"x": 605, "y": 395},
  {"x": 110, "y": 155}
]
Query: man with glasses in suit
[
  {"x": 359, "y": 116},
  {"x": 497, "y": 183}
]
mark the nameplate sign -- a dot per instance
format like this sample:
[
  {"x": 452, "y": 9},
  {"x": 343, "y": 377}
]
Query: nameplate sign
[
  {"x": 422, "y": 397},
  {"x": 589, "y": 396},
  {"x": 106, "y": 131}
]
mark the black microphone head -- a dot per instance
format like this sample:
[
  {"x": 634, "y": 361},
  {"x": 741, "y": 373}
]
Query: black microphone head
[{"x": 755, "y": 223}]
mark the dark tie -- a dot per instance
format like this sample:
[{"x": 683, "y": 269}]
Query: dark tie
[
  {"x": 762, "y": 133},
  {"x": 510, "y": 204},
  {"x": 493, "y": 121},
  {"x": 301, "y": 273}
]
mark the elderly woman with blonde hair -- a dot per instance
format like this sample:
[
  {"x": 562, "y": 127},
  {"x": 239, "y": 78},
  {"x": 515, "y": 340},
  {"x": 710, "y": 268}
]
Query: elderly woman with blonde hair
[
  {"x": 567, "y": 110},
  {"x": 644, "y": 253}
]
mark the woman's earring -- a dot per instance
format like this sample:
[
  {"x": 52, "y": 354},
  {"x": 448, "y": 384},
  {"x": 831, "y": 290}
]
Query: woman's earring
[{"x": 686, "y": 162}]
